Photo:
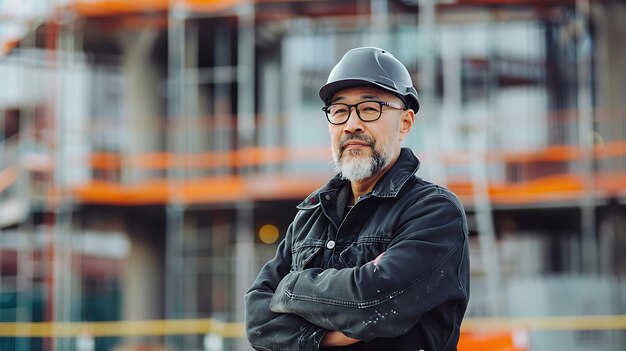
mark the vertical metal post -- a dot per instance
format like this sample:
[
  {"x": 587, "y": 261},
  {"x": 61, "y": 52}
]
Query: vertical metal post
[
  {"x": 245, "y": 75},
  {"x": 22, "y": 286},
  {"x": 52, "y": 243},
  {"x": 244, "y": 261},
  {"x": 194, "y": 128},
  {"x": 426, "y": 20},
  {"x": 489, "y": 251},
  {"x": 25, "y": 267},
  {"x": 585, "y": 139},
  {"x": 191, "y": 129},
  {"x": 244, "y": 250},
  {"x": 175, "y": 172},
  {"x": 63, "y": 282},
  {"x": 379, "y": 13},
  {"x": 484, "y": 221},
  {"x": 451, "y": 103},
  {"x": 433, "y": 127},
  {"x": 58, "y": 229}
]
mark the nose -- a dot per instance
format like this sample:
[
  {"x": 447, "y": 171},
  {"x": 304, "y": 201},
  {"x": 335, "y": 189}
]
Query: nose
[{"x": 354, "y": 123}]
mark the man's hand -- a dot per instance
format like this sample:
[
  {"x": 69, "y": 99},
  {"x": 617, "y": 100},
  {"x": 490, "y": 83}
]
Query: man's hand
[
  {"x": 375, "y": 261},
  {"x": 337, "y": 338}
]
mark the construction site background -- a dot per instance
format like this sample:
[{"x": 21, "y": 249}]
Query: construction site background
[{"x": 152, "y": 154}]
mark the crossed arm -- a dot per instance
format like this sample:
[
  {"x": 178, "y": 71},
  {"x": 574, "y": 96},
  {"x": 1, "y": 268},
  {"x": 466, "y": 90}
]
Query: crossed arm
[{"x": 337, "y": 338}]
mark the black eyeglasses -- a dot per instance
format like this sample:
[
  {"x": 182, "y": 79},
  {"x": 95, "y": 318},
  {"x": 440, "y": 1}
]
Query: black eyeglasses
[{"x": 368, "y": 111}]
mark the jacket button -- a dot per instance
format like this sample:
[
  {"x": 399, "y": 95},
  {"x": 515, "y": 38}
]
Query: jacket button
[
  {"x": 327, "y": 197},
  {"x": 330, "y": 244}
]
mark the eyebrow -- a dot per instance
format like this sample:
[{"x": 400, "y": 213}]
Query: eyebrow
[{"x": 363, "y": 97}]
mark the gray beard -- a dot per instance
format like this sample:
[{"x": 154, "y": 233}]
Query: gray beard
[{"x": 357, "y": 168}]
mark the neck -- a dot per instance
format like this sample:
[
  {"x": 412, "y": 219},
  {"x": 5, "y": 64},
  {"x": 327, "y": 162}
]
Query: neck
[{"x": 366, "y": 185}]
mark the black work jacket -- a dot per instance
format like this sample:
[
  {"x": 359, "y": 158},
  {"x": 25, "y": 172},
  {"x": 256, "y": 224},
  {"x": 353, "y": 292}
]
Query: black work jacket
[{"x": 323, "y": 278}]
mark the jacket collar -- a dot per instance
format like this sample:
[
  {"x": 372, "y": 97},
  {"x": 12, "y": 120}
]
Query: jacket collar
[{"x": 388, "y": 186}]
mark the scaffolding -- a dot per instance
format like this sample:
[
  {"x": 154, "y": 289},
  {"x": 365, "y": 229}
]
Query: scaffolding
[{"x": 223, "y": 148}]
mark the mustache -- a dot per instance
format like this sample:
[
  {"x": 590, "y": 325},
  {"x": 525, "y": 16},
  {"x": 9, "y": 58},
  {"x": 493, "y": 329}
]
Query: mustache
[{"x": 357, "y": 136}]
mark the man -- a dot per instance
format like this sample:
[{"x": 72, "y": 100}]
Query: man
[{"x": 377, "y": 259}]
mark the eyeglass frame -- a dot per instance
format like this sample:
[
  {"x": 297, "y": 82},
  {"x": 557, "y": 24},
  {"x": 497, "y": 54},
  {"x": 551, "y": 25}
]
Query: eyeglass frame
[{"x": 350, "y": 106}]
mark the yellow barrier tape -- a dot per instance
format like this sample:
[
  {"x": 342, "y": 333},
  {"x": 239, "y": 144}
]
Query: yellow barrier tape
[
  {"x": 236, "y": 330},
  {"x": 123, "y": 328}
]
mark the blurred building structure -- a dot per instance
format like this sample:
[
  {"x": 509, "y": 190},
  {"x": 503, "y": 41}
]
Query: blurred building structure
[{"x": 152, "y": 152}]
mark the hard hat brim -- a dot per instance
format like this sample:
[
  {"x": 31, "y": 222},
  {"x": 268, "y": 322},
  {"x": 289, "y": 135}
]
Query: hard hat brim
[{"x": 327, "y": 91}]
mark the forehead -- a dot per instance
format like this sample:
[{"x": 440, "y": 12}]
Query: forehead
[{"x": 362, "y": 93}]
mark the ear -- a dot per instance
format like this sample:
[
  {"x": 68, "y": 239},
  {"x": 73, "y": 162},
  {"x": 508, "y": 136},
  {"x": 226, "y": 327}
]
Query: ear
[{"x": 406, "y": 123}]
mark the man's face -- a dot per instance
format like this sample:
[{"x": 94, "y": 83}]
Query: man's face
[{"x": 364, "y": 149}]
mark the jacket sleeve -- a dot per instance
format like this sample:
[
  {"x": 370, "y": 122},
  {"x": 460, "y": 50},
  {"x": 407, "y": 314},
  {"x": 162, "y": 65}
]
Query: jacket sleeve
[
  {"x": 424, "y": 266},
  {"x": 267, "y": 330}
]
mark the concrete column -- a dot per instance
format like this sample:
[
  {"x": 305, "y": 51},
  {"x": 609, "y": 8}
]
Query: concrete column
[{"x": 142, "y": 99}]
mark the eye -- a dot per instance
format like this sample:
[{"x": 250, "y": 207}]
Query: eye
[
  {"x": 370, "y": 107},
  {"x": 337, "y": 110}
]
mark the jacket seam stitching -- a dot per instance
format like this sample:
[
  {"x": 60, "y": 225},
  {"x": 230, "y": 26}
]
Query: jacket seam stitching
[
  {"x": 315, "y": 244},
  {"x": 371, "y": 240},
  {"x": 400, "y": 185}
]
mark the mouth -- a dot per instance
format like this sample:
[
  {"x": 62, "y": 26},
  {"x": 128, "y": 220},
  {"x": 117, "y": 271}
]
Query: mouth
[
  {"x": 354, "y": 147},
  {"x": 356, "y": 144}
]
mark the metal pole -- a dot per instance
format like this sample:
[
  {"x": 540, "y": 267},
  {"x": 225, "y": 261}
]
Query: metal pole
[
  {"x": 244, "y": 262},
  {"x": 482, "y": 204},
  {"x": 585, "y": 139},
  {"x": 244, "y": 250},
  {"x": 433, "y": 126},
  {"x": 51, "y": 45},
  {"x": 175, "y": 171},
  {"x": 245, "y": 75},
  {"x": 484, "y": 222},
  {"x": 63, "y": 205},
  {"x": 426, "y": 21},
  {"x": 379, "y": 13},
  {"x": 26, "y": 229}
]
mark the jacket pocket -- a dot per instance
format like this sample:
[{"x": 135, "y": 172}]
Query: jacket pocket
[
  {"x": 363, "y": 251},
  {"x": 304, "y": 254}
]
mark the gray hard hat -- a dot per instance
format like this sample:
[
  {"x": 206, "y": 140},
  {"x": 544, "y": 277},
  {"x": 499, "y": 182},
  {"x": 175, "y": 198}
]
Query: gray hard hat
[{"x": 370, "y": 66}]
